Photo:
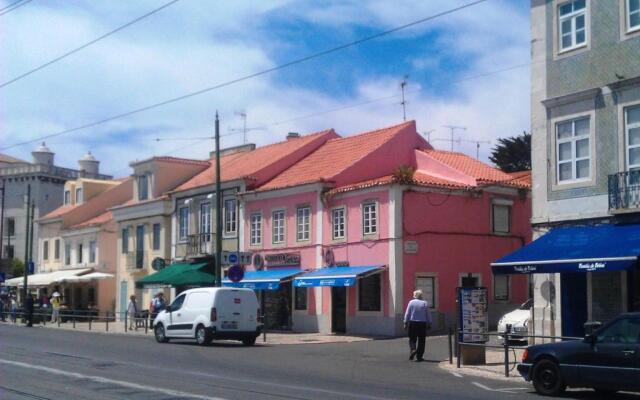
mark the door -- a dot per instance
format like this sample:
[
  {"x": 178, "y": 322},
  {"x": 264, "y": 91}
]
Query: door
[
  {"x": 140, "y": 246},
  {"x": 178, "y": 324},
  {"x": 338, "y": 309},
  {"x": 612, "y": 361},
  {"x": 123, "y": 298},
  {"x": 574, "y": 303}
]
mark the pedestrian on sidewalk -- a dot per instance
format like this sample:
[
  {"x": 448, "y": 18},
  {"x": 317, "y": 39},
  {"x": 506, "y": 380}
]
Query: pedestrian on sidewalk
[
  {"x": 3, "y": 307},
  {"x": 132, "y": 312},
  {"x": 14, "y": 309},
  {"x": 55, "y": 307},
  {"x": 28, "y": 308},
  {"x": 417, "y": 319},
  {"x": 158, "y": 304}
]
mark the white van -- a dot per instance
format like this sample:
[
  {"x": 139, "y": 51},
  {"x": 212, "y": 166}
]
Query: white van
[{"x": 210, "y": 313}]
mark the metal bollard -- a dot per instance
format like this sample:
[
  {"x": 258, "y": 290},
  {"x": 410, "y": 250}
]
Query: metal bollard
[
  {"x": 107, "y": 321},
  {"x": 89, "y": 323},
  {"x": 58, "y": 319},
  {"x": 457, "y": 348},
  {"x": 146, "y": 326},
  {"x": 125, "y": 321},
  {"x": 506, "y": 350},
  {"x": 74, "y": 322},
  {"x": 450, "y": 347},
  {"x": 44, "y": 320}
]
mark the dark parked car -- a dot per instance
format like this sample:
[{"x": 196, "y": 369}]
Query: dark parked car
[{"x": 607, "y": 360}]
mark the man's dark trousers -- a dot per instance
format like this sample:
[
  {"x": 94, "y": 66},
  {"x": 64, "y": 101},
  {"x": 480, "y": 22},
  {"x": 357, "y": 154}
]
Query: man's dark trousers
[{"x": 417, "y": 333}]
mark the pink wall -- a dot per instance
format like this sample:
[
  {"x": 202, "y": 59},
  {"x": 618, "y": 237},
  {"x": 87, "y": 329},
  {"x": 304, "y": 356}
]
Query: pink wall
[{"x": 453, "y": 233}]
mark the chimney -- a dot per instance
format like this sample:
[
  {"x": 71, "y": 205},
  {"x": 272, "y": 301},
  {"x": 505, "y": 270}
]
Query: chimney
[
  {"x": 293, "y": 135},
  {"x": 89, "y": 166},
  {"x": 42, "y": 155}
]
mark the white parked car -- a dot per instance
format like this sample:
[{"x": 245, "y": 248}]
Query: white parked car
[
  {"x": 205, "y": 314},
  {"x": 519, "y": 321}
]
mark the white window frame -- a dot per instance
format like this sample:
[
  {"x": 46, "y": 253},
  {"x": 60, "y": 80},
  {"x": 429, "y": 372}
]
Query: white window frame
[
  {"x": 335, "y": 227},
  {"x": 627, "y": 13},
  {"x": 372, "y": 228},
  {"x": 205, "y": 218},
  {"x": 255, "y": 229},
  {"x": 434, "y": 277},
  {"x": 278, "y": 230},
  {"x": 574, "y": 159},
  {"x": 183, "y": 226},
  {"x": 627, "y": 128},
  {"x": 303, "y": 223},
  {"x": 495, "y": 277},
  {"x": 93, "y": 251},
  {"x": 154, "y": 236},
  {"x": 78, "y": 195},
  {"x": 572, "y": 16},
  {"x": 230, "y": 217}
]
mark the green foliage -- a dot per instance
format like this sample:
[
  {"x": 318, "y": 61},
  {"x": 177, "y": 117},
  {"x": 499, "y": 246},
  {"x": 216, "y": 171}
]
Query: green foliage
[
  {"x": 17, "y": 267},
  {"x": 404, "y": 174},
  {"x": 513, "y": 153}
]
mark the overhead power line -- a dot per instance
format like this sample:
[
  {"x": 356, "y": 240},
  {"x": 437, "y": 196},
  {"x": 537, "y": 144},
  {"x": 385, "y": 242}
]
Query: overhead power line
[
  {"x": 13, "y": 6},
  {"x": 247, "y": 77},
  {"x": 84, "y": 46}
]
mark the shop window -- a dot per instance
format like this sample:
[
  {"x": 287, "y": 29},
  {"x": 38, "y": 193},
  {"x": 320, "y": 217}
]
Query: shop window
[
  {"x": 501, "y": 287},
  {"x": 91, "y": 296},
  {"x": 92, "y": 251},
  {"x": 301, "y": 298},
  {"x": 303, "y": 223},
  {"x": 428, "y": 286},
  {"x": 45, "y": 250},
  {"x": 125, "y": 240},
  {"x": 230, "y": 216},
  {"x": 369, "y": 218},
  {"x": 277, "y": 226},
  {"x": 369, "y": 293},
  {"x": 56, "y": 249},
  {"x": 156, "y": 236},
  {"x": 256, "y": 229},
  {"x": 501, "y": 218}
]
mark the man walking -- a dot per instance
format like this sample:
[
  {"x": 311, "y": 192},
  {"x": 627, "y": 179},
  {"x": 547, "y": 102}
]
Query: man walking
[
  {"x": 28, "y": 307},
  {"x": 417, "y": 319},
  {"x": 55, "y": 307},
  {"x": 132, "y": 311}
]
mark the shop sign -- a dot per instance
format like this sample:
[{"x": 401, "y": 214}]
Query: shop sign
[
  {"x": 341, "y": 263},
  {"x": 590, "y": 267},
  {"x": 410, "y": 247},
  {"x": 282, "y": 259}
]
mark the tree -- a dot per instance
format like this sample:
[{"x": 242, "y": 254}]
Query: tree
[
  {"x": 513, "y": 153},
  {"x": 17, "y": 267}
]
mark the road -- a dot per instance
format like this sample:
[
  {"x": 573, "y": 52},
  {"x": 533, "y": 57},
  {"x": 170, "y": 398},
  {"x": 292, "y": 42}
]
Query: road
[{"x": 40, "y": 363}]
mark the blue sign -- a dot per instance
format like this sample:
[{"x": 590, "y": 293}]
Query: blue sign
[
  {"x": 327, "y": 281},
  {"x": 31, "y": 268},
  {"x": 2, "y": 277},
  {"x": 233, "y": 258},
  {"x": 236, "y": 273}
]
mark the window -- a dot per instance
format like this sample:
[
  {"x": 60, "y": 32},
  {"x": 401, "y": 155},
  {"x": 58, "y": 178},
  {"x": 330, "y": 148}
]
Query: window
[
  {"x": 572, "y": 24},
  {"x": 573, "y": 151},
  {"x": 230, "y": 216},
  {"x": 183, "y": 221},
  {"x": 338, "y": 222},
  {"x": 501, "y": 287},
  {"x": 633, "y": 15},
  {"x": 56, "y": 249},
  {"x": 78, "y": 195},
  {"x": 92, "y": 251},
  {"x": 625, "y": 331},
  {"x": 369, "y": 218},
  {"x": 143, "y": 187},
  {"x": 177, "y": 303},
  {"x": 205, "y": 222},
  {"x": 300, "y": 302},
  {"x": 428, "y": 286},
  {"x": 11, "y": 226},
  {"x": 369, "y": 293},
  {"x": 139, "y": 246},
  {"x": 67, "y": 254},
  {"x": 632, "y": 134},
  {"x": 80, "y": 253},
  {"x": 501, "y": 218},
  {"x": 45, "y": 250},
  {"x": 156, "y": 236},
  {"x": 125, "y": 240},
  {"x": 256, "y": 229},
  {"x": 277, "y": 226},
  {"x": 67, "y": 197},
  {"x": 9, "y": 251},
  {"x": 303, "y": 222}
]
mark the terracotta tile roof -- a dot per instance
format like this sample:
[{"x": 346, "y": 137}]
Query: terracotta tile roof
[
  {"x": 58, "y": 212},
  {"x": 176, "y": 160},
  {"x": 97, "y": 220},
  {"x": 384, "y": 180},
  {"x": 521, "y": 178},
  {"x": 424, "y": 179},
  {"x": 246, "y": 165},
  {"x": 333, "y": 157}
]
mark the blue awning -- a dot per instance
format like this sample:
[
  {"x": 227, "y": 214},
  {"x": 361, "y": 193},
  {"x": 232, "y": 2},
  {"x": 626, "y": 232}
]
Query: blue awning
[
  {"x": 576, "y": 249},
  {"x": 264, "y": 280},
  {"x": 336, "y": 276}
]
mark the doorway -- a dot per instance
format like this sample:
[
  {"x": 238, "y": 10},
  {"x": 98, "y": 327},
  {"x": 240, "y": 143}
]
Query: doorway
[
  {"x": 338, "y": 309},
  {"x": 276, "y": 306}
]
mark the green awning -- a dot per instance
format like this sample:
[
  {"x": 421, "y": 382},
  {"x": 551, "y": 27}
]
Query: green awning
[{"x": 179, "y": 274}]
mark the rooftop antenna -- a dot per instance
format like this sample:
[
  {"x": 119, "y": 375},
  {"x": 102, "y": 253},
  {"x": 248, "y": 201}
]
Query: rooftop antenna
[
  {"x": 453, "y": 128},
  {"x": 458, "y": 140},
  {"x": 404, "y": 103},
  {"x": 244, "y": 129},
  {"x": 428, "y": 134}
]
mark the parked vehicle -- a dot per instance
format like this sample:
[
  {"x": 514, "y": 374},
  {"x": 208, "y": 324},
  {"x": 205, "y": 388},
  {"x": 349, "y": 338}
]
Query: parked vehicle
[
  {"x": 608, "y": 360},
  {"x": 519, "y": 321},
  {"x": 210, "y": 313}
]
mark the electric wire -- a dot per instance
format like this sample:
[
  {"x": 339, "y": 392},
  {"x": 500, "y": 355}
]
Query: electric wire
[
  {"x": 13, "y": 6},
  {"x": 89, "y": 43},
  {"x": 247, "y": 77},
  {"x": 10, "y": 5}
]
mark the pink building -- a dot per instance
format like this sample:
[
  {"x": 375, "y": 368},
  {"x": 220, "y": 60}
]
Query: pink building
[{"x": 374, "y": 216}]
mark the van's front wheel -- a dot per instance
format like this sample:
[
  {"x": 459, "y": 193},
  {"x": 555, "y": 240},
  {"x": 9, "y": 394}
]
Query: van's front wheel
[
  {"x": 249, "y": 341},
  {"x": 203, "y": 337},
  {"x": 160, "y": 334}
]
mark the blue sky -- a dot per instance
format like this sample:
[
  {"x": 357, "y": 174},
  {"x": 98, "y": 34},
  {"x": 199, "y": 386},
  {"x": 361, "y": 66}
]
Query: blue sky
[{"x": 194, "y": 44}]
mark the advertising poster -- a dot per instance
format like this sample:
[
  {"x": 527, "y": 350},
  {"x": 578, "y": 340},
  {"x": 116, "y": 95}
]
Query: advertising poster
[{"x": 473, "y": 312}]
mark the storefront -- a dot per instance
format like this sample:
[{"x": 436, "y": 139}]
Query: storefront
[
  {"x": 176, "y": 278},
  {"x": 580, "y": 274}
]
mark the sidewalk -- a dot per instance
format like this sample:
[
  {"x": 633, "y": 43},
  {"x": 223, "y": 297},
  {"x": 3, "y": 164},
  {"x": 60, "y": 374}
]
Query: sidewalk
[
  {"x": 275, "y": 338},
  {"x": 493, "y": 369}
]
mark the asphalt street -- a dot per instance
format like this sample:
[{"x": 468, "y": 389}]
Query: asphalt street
[{"x": 40, "y": 363}]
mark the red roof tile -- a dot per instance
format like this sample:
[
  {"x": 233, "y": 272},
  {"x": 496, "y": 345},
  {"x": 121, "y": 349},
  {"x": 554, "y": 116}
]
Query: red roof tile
[
  {"x": 333, "y": 157},
  {"x": 58, "y": 212},
  {"x": 97, "y": 220},
  {"x": 248, "y": 164}
]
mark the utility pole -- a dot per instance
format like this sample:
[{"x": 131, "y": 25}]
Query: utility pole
[
  {"x": 452, "y": 129},
  {"x": 2, "y": 223},
  {"x": 26, "y": 248},
  {"x": 404, "y": 103},
  {"x": 33, "y": 213},
  {"x": 218, "y": 260}
]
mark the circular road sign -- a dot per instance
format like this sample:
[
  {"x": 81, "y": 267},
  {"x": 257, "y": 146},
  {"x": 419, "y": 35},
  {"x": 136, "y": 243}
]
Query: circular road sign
[
  {"x": 233, "y": 258},
  {"x": 236, "y": 273}
]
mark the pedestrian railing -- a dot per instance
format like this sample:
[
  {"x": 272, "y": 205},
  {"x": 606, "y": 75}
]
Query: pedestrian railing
[{"x": 508, "y": 337}]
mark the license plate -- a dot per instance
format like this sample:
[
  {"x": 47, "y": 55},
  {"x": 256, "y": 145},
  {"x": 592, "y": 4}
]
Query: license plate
[{"x": 229, "y": 325}]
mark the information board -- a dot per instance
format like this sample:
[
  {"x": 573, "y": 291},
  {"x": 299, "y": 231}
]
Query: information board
[{"x": 473, "y": 314}]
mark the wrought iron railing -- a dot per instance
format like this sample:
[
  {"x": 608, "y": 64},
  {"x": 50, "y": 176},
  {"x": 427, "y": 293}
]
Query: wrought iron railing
[
  {"x": 199, "y": 244},
  {"x": 624, "y": 190}
]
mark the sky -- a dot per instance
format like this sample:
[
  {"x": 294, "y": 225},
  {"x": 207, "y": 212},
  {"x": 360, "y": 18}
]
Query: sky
[{"x": 467, "y": 69}]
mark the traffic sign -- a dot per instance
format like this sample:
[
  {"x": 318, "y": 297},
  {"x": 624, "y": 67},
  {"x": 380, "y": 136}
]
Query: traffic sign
[
  {"x": 31, "y": 268},
  {"x": 232, "y": 258},
  {"x": 236, "y": 258},
  {"x": 236, "y": 273}
]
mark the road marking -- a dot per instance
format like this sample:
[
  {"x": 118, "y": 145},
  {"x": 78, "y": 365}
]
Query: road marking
[
  {"x": 99, "y": 379},
  {"x": 500, "y": 390},
  {"x": 457, "y": 375}
]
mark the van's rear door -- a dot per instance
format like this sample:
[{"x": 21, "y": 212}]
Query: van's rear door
[{"x": 236, "y": 310}]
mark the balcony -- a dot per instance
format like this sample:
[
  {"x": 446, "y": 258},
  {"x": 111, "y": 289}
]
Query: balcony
[
  {"x": 624, "y": 191},
  {"x": 196, "y": 245},
  {"x": 136, "y": 261}
]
